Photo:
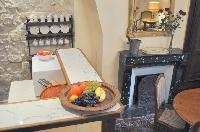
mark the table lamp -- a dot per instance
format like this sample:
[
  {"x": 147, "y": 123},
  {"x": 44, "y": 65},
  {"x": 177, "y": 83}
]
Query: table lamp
[{"x": 153, "y": 6}]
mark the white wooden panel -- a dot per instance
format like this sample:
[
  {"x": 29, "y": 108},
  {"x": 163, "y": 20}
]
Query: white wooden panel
[
  {"x": 77, "y": 67},
  {"x": 160, "y": 90}
]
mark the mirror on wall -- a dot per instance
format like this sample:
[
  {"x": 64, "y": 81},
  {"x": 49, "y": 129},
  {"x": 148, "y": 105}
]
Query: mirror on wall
[{"x": 145, "y": 17}]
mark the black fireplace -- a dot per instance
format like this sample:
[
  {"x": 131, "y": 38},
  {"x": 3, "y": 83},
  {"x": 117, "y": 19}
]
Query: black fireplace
[{"x": 127, "y": 64}]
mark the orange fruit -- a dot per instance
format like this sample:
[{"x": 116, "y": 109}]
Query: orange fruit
[
  {"x": 73, "y": 97},
  {"x": 82, "y": 86},
  {"x": 75, "y": 90}
]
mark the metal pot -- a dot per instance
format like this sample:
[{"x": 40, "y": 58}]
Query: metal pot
[{"x": 134, "y": 46}]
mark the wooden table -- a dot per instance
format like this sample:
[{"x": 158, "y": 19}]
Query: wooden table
[{"x": 187, "y": 105}]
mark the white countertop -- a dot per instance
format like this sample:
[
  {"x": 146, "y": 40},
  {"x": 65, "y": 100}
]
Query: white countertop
[{"x": 30, "y": 113}]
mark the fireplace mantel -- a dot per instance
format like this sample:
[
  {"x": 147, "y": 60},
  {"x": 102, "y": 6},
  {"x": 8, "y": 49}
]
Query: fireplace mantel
[{"x": 127, "y": 62}]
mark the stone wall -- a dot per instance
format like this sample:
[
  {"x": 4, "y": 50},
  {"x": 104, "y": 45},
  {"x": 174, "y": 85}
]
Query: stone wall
[{"x": 14, "y": 64}]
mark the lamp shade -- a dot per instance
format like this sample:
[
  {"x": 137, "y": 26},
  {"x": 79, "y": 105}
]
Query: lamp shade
[{"x": 153, "y": 6}]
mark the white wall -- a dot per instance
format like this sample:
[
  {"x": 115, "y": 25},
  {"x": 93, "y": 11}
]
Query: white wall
[
  {"x": 180, "y": 33},
  {"x": 113, "y": 15},
  {"x": 88, "y": 34},
  {"x": 113, "y": 18}
]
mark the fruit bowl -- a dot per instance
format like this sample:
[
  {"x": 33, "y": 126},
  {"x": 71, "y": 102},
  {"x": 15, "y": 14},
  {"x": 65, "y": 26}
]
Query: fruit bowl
[
  {"x": 44, "y": 55},
  {"x": 112, "y": 97},
  {"x": 46, "y": 58}
]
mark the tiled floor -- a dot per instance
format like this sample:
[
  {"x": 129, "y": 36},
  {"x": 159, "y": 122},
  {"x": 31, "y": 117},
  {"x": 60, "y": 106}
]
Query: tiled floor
[{"x": 136, "y": 124}]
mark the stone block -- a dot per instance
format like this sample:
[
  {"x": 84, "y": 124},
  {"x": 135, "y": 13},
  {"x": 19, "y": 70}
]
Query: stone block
[
  {"x": 3, "y": 58},
  {"x": 13, "y": 68},
  {"x": 2, "y": 47},
  {"x": 15, "y": 58},
  {"x": 18, "y": 76},
  {"x": 2, "y": 70},
  {"x": 51, "y": 6},
  {"x": 25, "y": 66},
  {"x": 7, "y": 78}
]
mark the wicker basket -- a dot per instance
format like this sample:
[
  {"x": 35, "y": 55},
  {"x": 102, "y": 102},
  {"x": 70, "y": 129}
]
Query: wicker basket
[{"x": 112, "y": 97}]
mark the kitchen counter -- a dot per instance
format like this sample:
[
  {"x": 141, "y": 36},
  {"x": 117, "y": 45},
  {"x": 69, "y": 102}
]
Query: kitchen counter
[{"x": 36, "y": 113}]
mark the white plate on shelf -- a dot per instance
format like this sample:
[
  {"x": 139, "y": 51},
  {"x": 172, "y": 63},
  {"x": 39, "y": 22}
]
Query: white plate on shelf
[
  {"x": 155, "y": 50},
  {"x": 55, "y": 28},
  {"x": 64, "y": 28},
  {"x": 34, "y": 30},
  {"x": 44, "y": 29}
]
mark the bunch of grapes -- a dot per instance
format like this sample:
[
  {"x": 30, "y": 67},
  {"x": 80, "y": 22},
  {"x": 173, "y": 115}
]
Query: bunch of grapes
[
  {"x": 86, "y": 99},
  {"x": 92, "y": 86}
]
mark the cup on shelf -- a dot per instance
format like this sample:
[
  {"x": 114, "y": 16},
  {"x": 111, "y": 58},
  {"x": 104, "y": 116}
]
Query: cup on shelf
[
  {"x": 55, "y": 18},
  {"x": 54, "y": 41},
  {"x": 62, "y": 18},
  {"x": 47, "y": 41},
  {"x": 35, "y": 42},
  {"x": 31, "y": 19},
  {"x": 67, "y": 18},
  {"x": 35, "y": 19},
  {"x": 41, "y": 42},
  {"x": 60, "y": 41},
  {"x": 66, "y": 41},
  {"x": 49, "y": 18},
  {"x": 42, "y": 18}
]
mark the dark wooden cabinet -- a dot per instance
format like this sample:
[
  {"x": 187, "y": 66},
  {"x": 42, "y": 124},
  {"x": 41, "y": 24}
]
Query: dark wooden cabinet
[{"x": 192, "y": 46}]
